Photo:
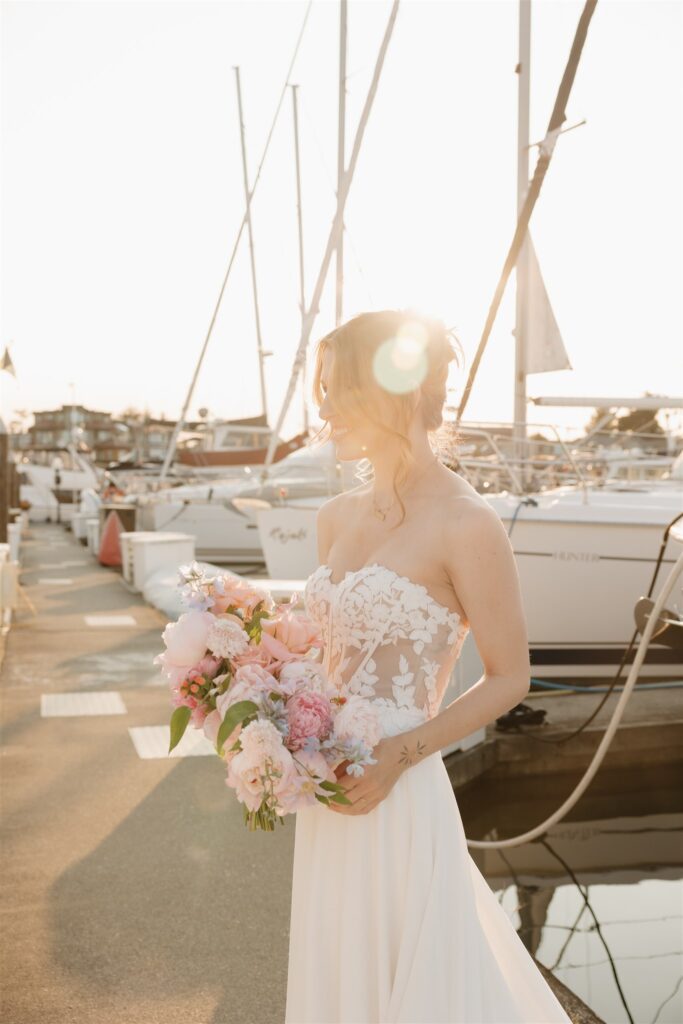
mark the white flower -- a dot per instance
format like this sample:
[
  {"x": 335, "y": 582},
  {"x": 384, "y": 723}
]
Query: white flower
[
  {"x": 186, "y": 643},
  {"x": 226, "y": 638},
  {"x": 300, "y": 674},
  {"x": 358, "y": 719},
  {"x": 261, "y": 741}
]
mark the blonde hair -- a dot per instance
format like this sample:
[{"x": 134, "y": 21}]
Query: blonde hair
[{"x": 358, "y": 394}]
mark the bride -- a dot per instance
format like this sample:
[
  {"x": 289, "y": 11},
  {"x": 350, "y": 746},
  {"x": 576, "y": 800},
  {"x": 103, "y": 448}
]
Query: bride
[{"x": 391, "y": 920}]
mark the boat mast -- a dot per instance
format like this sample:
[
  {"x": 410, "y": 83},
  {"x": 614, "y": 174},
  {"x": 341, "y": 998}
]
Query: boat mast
[
  {"x": 302, "y": 290},
  {"x": 245, "y": 175},
  {"x": 333, "y": 237},
  {"x": 170, "y": 451},
  {"x": 546, "y": 147},
  {"x": 341, "y": 155},
  {"x": 519, "y": 426}
]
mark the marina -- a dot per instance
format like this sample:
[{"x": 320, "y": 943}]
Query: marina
[
  {"x": 407, "y": 177},
  {"x": 86, "y": 770}
]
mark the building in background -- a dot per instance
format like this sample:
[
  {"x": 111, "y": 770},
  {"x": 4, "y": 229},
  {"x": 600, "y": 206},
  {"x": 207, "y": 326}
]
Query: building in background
[{"x": 132, "y": 436}]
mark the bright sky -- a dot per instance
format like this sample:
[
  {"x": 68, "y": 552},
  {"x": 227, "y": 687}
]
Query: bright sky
[{"x": 122, "y": 193}]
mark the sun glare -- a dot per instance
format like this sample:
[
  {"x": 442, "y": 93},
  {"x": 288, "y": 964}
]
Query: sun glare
[{"x": 400, "y": 363}]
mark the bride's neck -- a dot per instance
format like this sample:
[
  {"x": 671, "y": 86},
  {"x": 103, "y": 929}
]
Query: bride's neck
[{"x": 385, "y": 466}]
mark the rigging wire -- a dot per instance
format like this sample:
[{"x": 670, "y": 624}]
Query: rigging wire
[
  {"x": 330, "y": 182},
  {"x": 245, "y": 217},
  {"x": 546, "y": 148}
]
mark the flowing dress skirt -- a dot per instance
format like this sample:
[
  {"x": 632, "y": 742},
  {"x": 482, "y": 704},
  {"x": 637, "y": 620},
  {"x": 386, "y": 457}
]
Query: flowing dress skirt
[{"x": 392, "y": 921}]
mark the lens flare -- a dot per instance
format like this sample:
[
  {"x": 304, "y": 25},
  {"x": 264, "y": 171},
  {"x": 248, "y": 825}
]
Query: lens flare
[{"x": 400, "y": 363}]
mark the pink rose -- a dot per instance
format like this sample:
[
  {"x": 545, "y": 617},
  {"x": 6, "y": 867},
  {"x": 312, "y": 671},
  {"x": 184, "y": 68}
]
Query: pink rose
[
  {"x": 255, "y": 675},
  {"x": 249, "y": 682},
  {"x": 237, "y": 592},
  {"x": 294, "y": 630},
  {"x": 308, "y": 714},
  {"x": 256, "y": 654}
]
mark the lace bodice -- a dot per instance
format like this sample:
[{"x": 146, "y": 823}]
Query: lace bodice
[{"x": 386, "y": 638}]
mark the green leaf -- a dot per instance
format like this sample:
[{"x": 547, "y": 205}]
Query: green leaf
[
  {"x": 322, "y": 799},
  {"x": 179, "y": 720},
  {"x": 332, "y": 786},
  {"x": 339, "y": 798},
  {"x": 236, "y": 715}
]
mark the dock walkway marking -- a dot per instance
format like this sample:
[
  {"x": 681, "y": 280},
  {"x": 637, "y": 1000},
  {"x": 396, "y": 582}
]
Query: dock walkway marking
[
  {"x": 153, "y": 740},
  {"x": 99, "y": 702},
  {"x": 109, "y": 620},
  {"x": 54, "y": 581}
]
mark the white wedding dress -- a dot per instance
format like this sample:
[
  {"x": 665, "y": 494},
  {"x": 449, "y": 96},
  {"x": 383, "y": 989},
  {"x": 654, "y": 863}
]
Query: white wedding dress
[{"x": 391, "y": 920}]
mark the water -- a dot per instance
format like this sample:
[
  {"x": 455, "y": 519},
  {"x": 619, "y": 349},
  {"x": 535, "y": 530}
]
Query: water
[{"x": 623, "y": 842}]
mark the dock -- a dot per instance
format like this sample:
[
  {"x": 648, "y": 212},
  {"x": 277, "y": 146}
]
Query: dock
[
  {"x": 126, "y": 875},
  {"x": 125, "y": 883}
]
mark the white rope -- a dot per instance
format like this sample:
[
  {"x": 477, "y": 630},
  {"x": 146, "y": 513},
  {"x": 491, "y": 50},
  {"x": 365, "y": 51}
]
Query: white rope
[{"x": 599, "y": 755}]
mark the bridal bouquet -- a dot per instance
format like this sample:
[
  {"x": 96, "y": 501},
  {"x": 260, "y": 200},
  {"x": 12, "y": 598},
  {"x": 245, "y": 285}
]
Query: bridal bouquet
[{"x": 246, "y": 671}]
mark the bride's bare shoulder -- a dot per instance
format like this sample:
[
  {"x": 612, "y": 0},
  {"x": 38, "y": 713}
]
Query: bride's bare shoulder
[
  {"x": 332, "y": 513},
  {"x": 340, "y": 504}
]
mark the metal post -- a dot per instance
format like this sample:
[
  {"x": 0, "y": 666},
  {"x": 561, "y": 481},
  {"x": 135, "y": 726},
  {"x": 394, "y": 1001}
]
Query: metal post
[{"x": 312, "y": 312}]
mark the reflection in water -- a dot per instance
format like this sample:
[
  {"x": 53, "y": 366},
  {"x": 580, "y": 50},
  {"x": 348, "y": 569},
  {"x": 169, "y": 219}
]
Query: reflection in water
[{"x": 599, "y": 899}]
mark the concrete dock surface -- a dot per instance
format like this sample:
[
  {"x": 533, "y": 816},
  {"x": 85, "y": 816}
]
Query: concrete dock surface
[{"x": 131, "y": 890}]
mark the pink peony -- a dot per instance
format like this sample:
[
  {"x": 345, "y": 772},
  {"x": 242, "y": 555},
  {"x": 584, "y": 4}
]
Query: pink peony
[
  {"x": 308, "y": 714},
  {"x": 185, "y": 644}
]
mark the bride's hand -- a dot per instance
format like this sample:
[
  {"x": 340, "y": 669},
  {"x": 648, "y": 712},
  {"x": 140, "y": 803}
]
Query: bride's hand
[{"x": 367, "y": 790}]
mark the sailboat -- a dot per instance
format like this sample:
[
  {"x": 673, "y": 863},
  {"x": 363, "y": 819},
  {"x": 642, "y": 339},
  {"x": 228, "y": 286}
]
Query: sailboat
[{"x": 585, "y": 552}]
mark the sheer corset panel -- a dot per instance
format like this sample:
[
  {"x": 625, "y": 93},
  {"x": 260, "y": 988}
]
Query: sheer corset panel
[{"x": 385, "y": 638}]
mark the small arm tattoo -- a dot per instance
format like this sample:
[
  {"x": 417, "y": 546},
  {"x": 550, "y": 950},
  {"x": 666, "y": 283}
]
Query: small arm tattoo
[{"x": 406, "y": 758}]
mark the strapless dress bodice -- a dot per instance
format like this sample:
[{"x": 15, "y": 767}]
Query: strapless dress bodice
[{"x": 385, "y": 637}]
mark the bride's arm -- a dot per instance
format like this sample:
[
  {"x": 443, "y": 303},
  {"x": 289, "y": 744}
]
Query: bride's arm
[{"x": 481, "y": 565}]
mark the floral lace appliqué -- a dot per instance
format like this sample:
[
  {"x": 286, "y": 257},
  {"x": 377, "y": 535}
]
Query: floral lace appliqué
[{"x": 385, "y": 637}]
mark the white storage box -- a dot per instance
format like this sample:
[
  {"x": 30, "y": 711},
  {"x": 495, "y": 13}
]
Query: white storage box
[
  {"x": 127, "y": 539},
  {"x": 143, "y": 552}
]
